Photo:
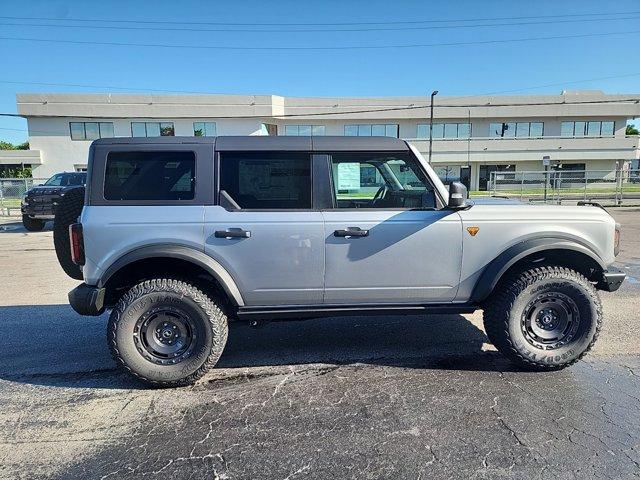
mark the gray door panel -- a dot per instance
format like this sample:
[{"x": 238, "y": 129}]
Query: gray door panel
[
  {"x": 281, "y": 262},
  {"x": 407, "y": 256}
]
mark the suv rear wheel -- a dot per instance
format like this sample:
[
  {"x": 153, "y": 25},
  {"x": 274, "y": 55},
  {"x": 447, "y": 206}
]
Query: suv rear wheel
[
  {"x": 167, "y": 332},
  {"x": 544, "y": 318},
  {"x": 32, "y": 224}
]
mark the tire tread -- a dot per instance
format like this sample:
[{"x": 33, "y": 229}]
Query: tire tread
[
  {"x": 498, "y": 307},
  {"x": 216, "y": 316}
]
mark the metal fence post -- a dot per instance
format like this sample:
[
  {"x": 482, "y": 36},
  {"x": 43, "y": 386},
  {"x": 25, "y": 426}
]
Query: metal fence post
[{"x": 521, "y": 186}]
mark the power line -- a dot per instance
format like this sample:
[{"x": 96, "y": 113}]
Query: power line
[
  {"x": 410, "y": 22},
  {"x": 294, "y": 49},
  {"x": 316, "y": 30}
]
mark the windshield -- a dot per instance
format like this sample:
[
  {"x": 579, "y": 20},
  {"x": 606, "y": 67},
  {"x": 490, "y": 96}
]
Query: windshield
[{"x": 66, "y": 179}]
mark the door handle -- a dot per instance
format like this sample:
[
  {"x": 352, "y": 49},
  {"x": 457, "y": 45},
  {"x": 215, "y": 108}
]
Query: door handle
[
  {"x": 232, "y": 233},
  {"x": 351, "y": 232}
]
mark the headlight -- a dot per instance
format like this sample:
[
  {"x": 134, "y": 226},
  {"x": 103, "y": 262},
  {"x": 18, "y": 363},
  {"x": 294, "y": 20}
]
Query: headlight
[
  {"x": 616, "y": 240},
  {"x": 23, "y": 201}
]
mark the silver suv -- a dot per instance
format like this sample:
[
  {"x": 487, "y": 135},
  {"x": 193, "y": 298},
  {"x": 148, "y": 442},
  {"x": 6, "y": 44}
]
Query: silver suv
[{"x": 180, "y": 235}]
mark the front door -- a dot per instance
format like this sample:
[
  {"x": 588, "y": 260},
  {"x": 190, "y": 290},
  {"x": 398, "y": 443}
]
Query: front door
[
  {"x": 264, "y": 231},
  {"x": 387, "y": 239}
]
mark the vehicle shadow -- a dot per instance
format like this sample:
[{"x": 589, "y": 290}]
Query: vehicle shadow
[{"x": 51, "y": 345}]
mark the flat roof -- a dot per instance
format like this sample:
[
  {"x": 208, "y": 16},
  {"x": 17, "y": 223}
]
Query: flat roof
[
  {"x": 264, "y": 142},
  {"x": 305, "y": 109}
]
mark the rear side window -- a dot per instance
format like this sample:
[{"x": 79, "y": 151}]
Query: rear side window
[
  {"x": 150, "y": 176},
  {"x": 267, "y": 180}
]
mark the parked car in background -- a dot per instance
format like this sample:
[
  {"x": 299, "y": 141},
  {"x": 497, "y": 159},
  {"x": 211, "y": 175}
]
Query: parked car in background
[{"x": 39, "y": 203}]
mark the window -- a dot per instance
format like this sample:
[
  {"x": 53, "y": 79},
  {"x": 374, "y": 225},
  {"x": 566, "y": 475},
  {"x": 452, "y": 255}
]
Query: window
[
  {"x": 267, "y": 180},
  {"x": 90, "y": 130},
  {"x": 536, "y": 129},
  {"x": 204, "y": 129},
  {"x": 304, "y": 130},
  {"x": 150, "y": 176},
  {"x": 152, "y": 129},
  {"x": 383, "y": 180},
  {"x": 268, "y": 129},
  {"x": 368, "y": 130},
  {"x": 502, "y": 130},
  {"x": 516, "y": 130},
  {"x": 608, "y": 129},
  {"x": 67, "y": 179},
  {"x": 587, "y": 129},
  {"x": 445, "y": 130}
]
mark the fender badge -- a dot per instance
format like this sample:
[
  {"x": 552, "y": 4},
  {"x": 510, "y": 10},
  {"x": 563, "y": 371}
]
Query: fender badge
[{"x": 473, "y": 230}]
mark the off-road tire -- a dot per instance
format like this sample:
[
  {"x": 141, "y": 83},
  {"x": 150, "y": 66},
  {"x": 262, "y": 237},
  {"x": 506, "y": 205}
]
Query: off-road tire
[
  {"x": 32, "y": 224},
  {"x": 123, "y": 332},
  {"x": 67, "y": 212},
  {"x": 505, "y": 313}
]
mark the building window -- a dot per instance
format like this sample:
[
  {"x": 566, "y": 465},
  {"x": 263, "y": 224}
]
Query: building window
[
  {"x": 204, "y": 129},
  {"x": 269, "y": 129},
  {"x": 304, "y": 130},
  {"x": 267, "y": 180},
  {"x": 369, "y": 130},
  {"x": 445, "y": 130},
  {"x": 152, "y": 129},
  {"x": 587, "y": 129},
  {"x": 516, "y": 130},
  {"x": 90, "y": 130}
]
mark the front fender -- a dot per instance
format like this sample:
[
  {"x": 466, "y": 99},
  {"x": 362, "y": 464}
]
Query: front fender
[{"x": 509, "y": 257}]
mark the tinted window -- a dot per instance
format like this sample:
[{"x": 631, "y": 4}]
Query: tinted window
[
  {"x": 67, "y": 179},
  {"x": 150, "y": 176},
  {"x": 267, "y": 180}
]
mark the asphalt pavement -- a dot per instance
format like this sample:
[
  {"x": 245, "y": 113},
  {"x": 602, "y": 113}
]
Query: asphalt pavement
[{"x": 379, "y": 397}]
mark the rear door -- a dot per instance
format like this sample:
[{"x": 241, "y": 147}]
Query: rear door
[
  {"x": 387, "y": 239},
  {"x": 264, "y": 229}
]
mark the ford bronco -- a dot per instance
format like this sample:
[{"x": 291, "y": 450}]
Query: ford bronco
[
  {"x": 177, "y": 236},
  {"x": 40, "y": 202}
]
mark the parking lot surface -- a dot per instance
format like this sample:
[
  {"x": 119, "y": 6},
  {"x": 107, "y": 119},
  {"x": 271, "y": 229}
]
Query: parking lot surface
[{"x": 379, "y": 397}]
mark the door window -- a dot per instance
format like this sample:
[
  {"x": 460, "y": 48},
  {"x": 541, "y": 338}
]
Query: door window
[
  {"x": 381, "y": 180},
  {"x": 267, "y": 180}
]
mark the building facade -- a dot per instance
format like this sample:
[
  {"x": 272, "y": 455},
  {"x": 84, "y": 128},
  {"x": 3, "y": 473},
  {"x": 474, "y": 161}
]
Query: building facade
[{"x": 472, "y": 136}]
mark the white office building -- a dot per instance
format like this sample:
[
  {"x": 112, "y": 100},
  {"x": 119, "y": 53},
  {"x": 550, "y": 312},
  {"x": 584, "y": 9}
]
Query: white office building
[{"x": 472, "y": 136}]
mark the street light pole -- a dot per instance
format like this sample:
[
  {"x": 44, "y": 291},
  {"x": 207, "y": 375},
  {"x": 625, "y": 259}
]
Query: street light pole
[{"x": 433, "y": 94}]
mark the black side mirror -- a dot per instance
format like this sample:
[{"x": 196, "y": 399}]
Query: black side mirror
[{"x": 457, "y": 195}]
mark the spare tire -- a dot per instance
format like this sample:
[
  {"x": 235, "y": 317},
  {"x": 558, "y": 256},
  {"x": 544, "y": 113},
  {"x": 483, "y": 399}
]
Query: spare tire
[{"x": 67, "y": 212}]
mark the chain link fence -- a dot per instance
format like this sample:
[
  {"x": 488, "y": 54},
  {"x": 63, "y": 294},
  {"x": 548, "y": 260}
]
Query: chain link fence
[
  {"x": 11, "y": 192},
  {"x": 609, "y": 187}
]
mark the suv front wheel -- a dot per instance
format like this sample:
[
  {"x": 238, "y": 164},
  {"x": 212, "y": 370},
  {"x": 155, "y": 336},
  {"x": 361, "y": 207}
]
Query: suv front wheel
[
  {"x": 167, "y": 332},
  {"x": 543, "y": 318}
]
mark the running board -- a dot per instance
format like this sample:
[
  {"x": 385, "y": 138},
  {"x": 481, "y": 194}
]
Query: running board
[{"x": 315, "y": 311}]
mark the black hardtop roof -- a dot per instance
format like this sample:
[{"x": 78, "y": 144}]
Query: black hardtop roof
[{"x": 264, "y": 142}]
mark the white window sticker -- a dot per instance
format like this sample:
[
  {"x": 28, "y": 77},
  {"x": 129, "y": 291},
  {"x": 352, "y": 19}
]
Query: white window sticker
[{"x": 348, "y": 176}]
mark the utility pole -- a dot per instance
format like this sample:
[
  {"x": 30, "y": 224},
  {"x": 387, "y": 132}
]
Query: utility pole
[{"x": 433, "y": 94}]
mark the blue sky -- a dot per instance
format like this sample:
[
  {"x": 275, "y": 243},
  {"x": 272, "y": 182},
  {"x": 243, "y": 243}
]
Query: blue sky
[{"x": 453, "y": 70}]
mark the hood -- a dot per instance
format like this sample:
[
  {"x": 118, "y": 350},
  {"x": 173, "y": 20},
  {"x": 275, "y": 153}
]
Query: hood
[{"x": 496, "y": 201}]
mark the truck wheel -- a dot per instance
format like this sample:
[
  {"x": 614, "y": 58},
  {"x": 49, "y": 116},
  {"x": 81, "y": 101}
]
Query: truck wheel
[
  {"x": 32, "y": 224},
  {"x": 167, "y": 332},
  {"x": 67, "y": 212},
  {"x": 544, "y": 318}
]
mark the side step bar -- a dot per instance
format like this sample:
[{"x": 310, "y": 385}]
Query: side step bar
[{"x": 315, "y": 311}]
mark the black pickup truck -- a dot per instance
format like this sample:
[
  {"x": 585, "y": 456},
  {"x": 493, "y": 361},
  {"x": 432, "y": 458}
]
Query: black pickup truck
[{"x": 39, "y": 204}]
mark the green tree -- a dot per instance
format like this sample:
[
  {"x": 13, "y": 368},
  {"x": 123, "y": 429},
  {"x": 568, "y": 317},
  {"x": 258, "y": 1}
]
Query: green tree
[
  {"x": 10, "y": 146},
  {"x": 631, "y": 129}
]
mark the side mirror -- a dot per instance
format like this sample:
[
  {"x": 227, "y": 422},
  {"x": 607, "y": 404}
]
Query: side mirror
[{"x": 457, "y": 195}]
